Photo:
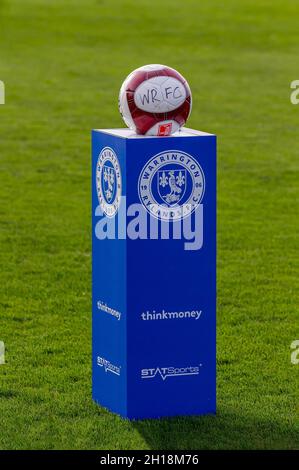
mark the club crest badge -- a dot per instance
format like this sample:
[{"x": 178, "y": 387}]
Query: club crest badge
[
  {"x": 108, "y": 181},
  {"x": 171, "y": 185}
]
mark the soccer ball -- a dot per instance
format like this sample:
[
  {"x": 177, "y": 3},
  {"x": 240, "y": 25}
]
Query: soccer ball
[{"x": 155, "y": 100}]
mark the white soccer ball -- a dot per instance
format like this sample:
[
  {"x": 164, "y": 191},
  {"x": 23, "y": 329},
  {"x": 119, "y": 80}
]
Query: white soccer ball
[{"x": 155, "y": 100}]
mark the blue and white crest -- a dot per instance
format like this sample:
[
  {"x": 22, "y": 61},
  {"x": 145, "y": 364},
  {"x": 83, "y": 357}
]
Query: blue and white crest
[
  {"x": 108, "y": 180},
  {"x": 172, "y": 185}
]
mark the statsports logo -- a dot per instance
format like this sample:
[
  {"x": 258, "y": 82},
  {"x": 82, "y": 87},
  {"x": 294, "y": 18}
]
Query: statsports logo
[
  {"x": 171, "y": 185},
  {"x": 165, "y": 372},
  {"x": 108, "y": 366}
]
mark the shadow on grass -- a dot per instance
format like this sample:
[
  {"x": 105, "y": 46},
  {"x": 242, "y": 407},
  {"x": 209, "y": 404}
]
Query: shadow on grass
[{"x": 223, "y": 431}]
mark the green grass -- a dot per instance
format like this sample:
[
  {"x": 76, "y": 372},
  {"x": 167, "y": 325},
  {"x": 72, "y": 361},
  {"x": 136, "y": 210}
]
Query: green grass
[{"x": 62, "y": 63}]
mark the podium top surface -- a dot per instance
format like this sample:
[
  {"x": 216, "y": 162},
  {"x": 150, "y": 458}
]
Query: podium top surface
[{"x": 129, "y": 134}]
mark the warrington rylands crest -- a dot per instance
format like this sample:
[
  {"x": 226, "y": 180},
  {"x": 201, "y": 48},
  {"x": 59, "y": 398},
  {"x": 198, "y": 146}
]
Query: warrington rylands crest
[
  {"x": 171, "y": 185},
  {"x": 108, "y": 181}
]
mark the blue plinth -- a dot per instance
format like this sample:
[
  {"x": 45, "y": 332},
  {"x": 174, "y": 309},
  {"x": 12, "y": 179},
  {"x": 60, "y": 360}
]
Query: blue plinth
[{"x": 154, "y": 273}]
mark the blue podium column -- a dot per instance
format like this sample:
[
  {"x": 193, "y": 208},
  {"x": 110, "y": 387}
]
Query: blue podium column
[{"x": 154, "y": 273}]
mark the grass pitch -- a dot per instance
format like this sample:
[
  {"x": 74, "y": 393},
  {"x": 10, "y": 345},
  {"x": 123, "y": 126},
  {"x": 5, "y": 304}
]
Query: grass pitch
[{"x": 63, "y": 63}]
